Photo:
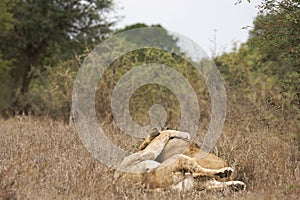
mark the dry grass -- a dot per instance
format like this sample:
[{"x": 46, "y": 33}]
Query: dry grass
[{"x": 45, "y": 159}]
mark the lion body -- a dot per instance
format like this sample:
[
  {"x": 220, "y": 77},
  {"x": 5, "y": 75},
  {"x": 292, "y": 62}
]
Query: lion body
[{"x": 169, "y": 159}]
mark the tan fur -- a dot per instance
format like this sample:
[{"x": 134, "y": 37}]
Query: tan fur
[{"x": 169, "y": 159}]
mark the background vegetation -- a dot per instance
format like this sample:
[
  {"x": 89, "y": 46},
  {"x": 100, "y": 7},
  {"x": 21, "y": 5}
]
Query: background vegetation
[{"x": 42, "y": 45}]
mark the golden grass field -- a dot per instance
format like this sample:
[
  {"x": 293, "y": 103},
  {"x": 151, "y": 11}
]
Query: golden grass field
[{"x": 45, "y": 159}]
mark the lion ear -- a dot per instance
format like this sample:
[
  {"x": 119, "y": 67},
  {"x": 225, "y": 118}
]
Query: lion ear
[{"x": 154, "y": 132}]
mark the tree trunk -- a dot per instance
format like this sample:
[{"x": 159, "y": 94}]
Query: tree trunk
[
  {"x": 19, "y": 105},
  {"x": 26, "y": 80}
]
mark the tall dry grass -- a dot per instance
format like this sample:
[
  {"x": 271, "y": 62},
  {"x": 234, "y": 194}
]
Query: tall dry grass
[{"x": 45, "y": 159}]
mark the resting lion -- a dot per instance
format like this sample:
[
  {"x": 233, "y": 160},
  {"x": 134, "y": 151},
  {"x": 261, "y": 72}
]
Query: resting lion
[{"x": 169, "y": 159}]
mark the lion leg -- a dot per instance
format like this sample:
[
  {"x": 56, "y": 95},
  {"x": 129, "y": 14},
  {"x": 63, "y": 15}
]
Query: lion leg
[
  {"x": 157, "y": 145},
  {"x": 182, "y": 163},
  {"x": 145, "y": 159},
  {"x": 139, "y": 162},
  {"x": 214, "y": 173},
  {"x": 235, "y": 185},
  {"x": 168, "y": 172}
]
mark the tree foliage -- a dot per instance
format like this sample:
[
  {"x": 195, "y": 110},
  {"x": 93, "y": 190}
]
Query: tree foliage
[
  {"x": 44, "y": 32},
  {"x": 277, "y": 32},
  {"x": 276, "y": 35},
  {"x": 6, "y": 20},
  {"x": 265, "y": 71}
]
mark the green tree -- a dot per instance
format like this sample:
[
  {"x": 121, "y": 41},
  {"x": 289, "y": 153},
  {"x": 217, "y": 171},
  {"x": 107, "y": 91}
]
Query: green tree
[
  {"x": 277, "y": 31},
  {"x": 163, "y": 39},
  {"x": 276, "y": 35},
  {"x": 47, "y": 31},
  {"x": 6, "y": 20}
]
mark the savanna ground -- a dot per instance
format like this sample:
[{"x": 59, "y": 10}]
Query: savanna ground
[{"x": 42, "y": 158}]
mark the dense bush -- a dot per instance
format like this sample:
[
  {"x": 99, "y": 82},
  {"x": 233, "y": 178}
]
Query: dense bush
[{"x": 51, "y": 91}]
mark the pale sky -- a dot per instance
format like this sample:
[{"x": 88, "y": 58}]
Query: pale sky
[{"x": 196, "y": 19}]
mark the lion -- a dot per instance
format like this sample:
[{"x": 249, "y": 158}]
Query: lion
[{"x": 169, "y": 159}]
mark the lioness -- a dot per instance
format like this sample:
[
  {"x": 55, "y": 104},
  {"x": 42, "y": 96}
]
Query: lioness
[{"x": 169, "y": 159}]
